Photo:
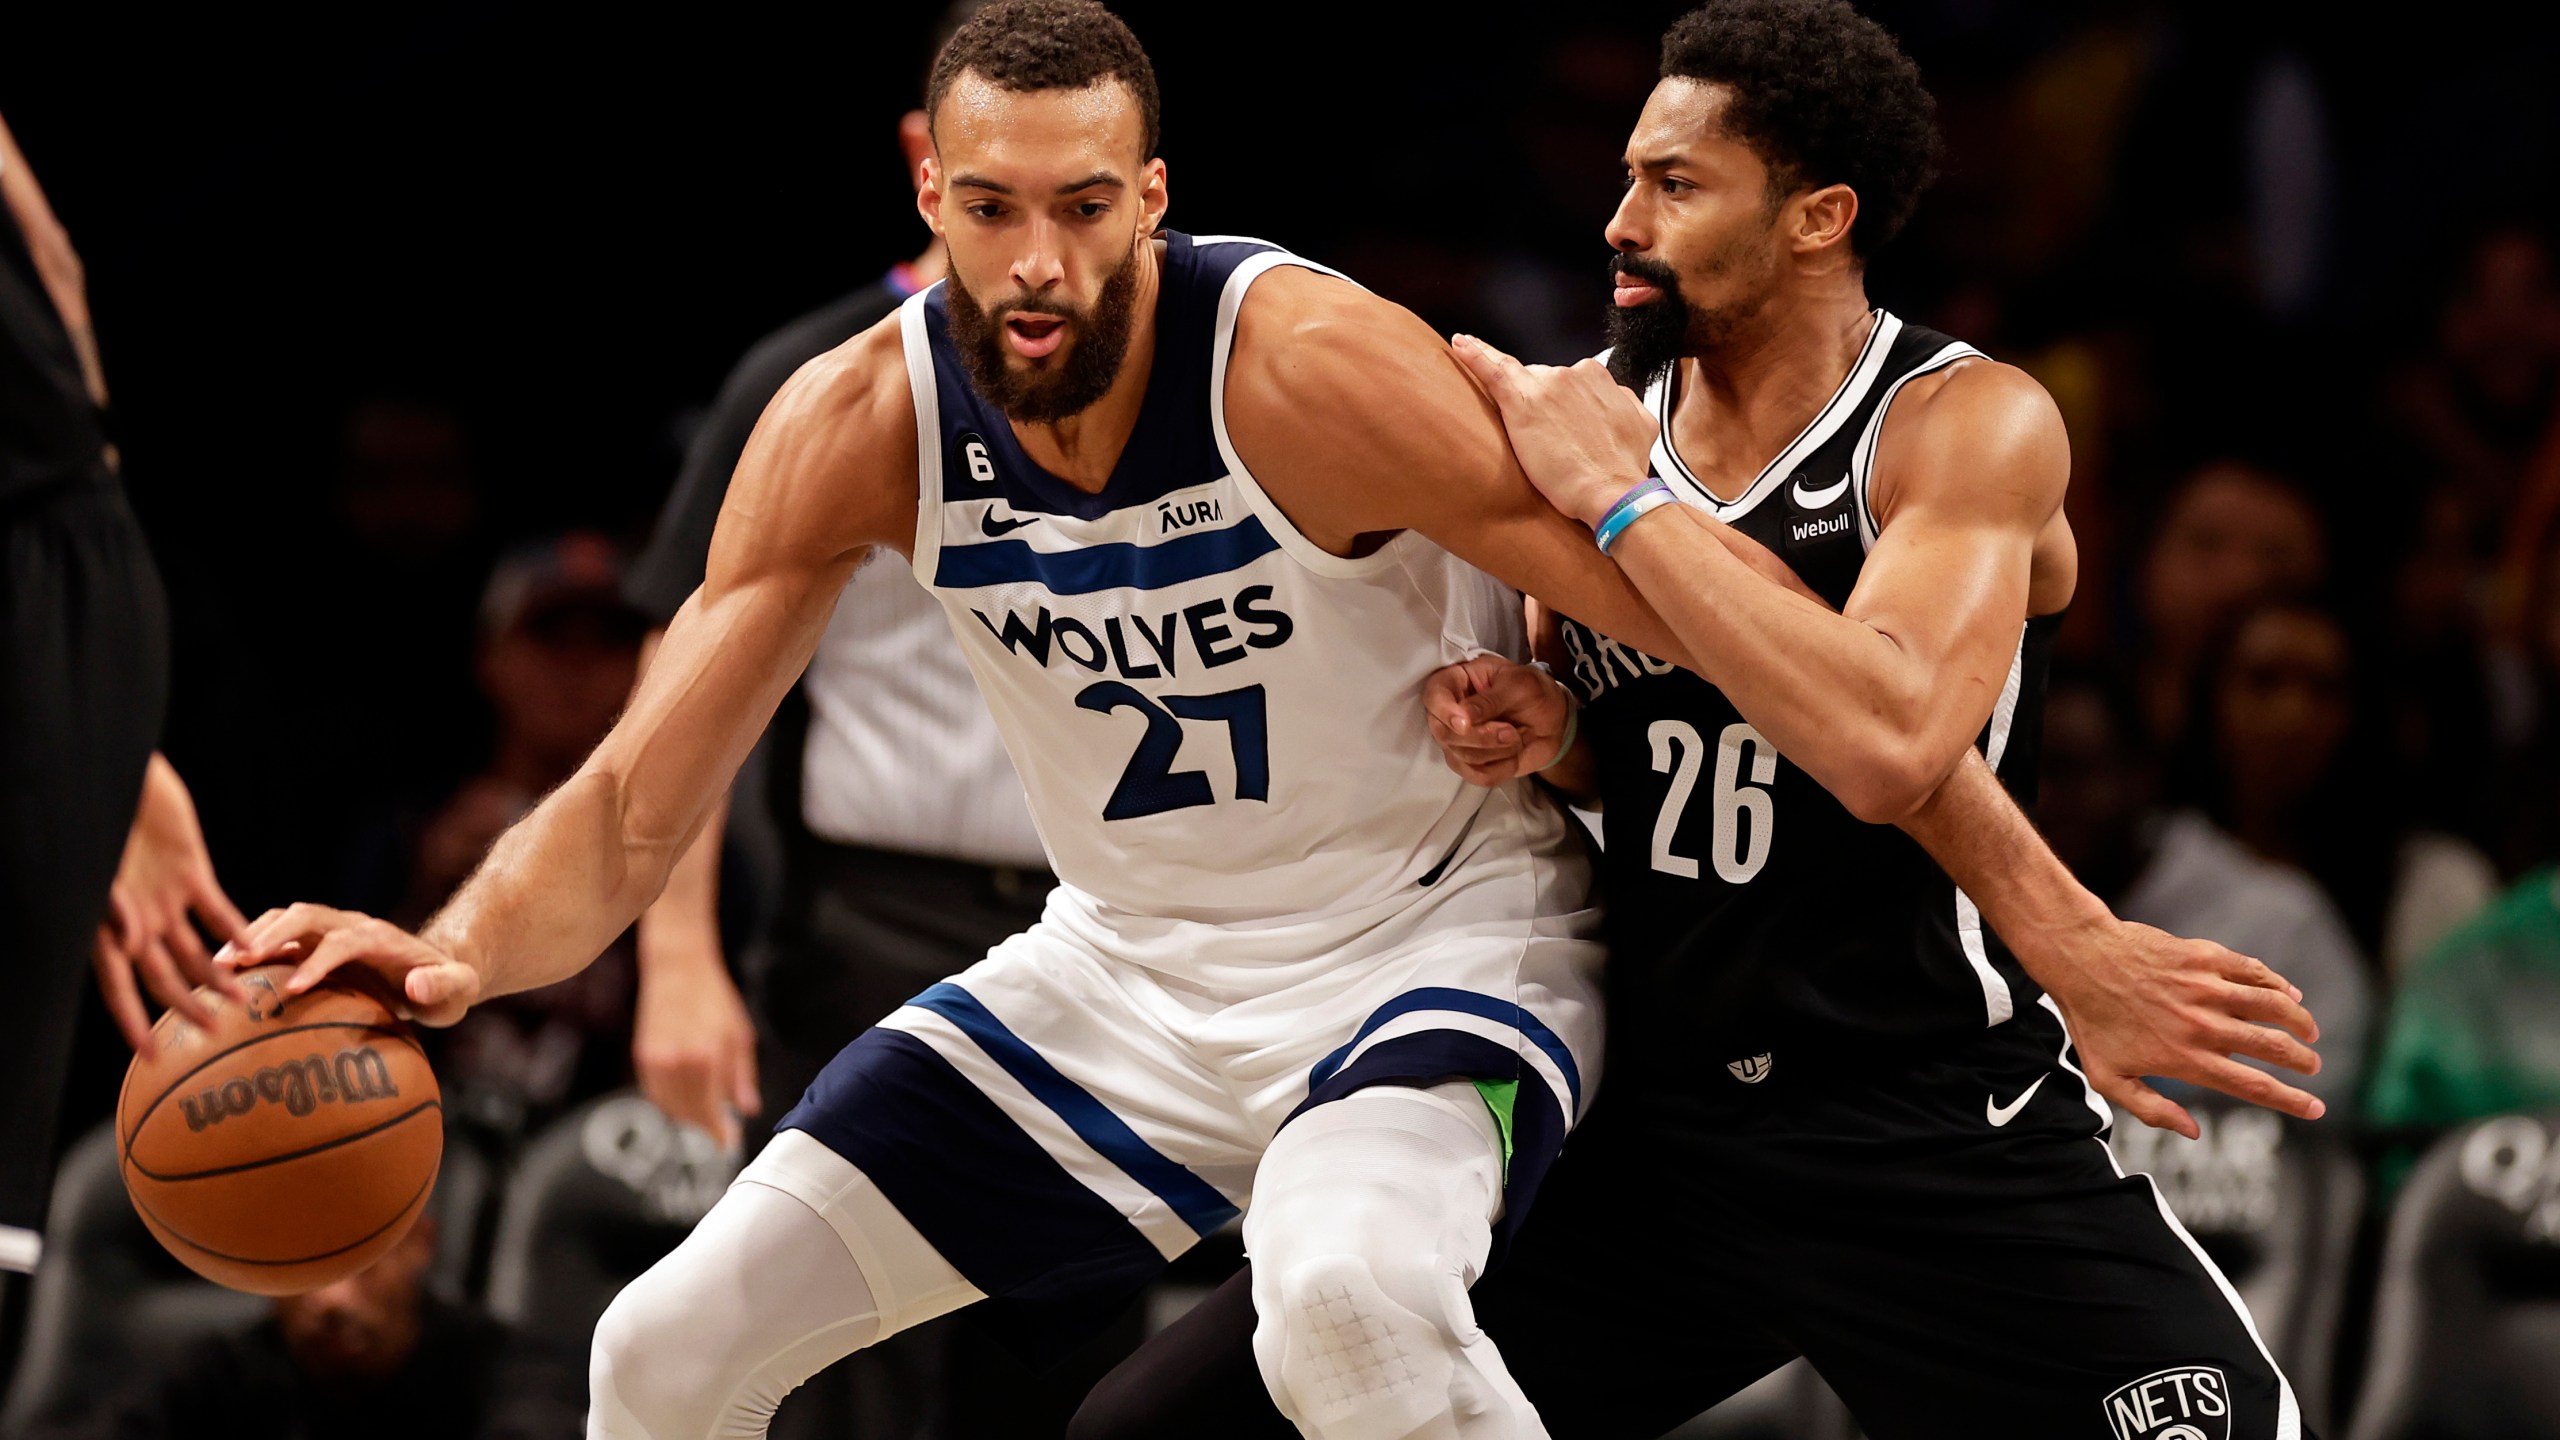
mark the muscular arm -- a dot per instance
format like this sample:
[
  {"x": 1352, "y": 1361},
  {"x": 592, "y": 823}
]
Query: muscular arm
[
  {"x": 1880, "y": 700},
  {"x": 827, "y": 476},
  {"x": 1341, "y": 405},
  {"x": 1357, "y": 420}
]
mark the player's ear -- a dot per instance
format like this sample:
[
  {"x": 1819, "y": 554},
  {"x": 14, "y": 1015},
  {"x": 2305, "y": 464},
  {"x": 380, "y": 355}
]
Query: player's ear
[
  {"x": 1820, "y": 220},
  {"x": 1152, "y": 199},
  {"x": 929, "y": 193},
  {"x": 915, "y": 141}
]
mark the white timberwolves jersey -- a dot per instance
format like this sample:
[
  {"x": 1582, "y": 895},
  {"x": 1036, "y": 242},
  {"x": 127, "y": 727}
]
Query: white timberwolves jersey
[{"x": 1215, "y": 720}]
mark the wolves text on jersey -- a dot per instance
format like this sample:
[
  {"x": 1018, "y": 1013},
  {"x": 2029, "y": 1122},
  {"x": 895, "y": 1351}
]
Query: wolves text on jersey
[{"x": 1148, "y": 648}]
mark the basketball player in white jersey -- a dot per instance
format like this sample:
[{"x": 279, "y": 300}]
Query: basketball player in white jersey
[{"x": 1204, "y": 518}]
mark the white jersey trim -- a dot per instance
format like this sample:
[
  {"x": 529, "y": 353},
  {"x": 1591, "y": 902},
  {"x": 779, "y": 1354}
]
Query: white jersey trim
[
  {"x": 1664, "y": 398},
  {"x": 917, "y": 337},
  {"x": 20, "y": 1249},
  {"x": 1306, "y": 552},
  {"x": 1862, "y": 458},
  {"x": 1998, "y": 1003},
  {"x": 2288, "y": 1409}
]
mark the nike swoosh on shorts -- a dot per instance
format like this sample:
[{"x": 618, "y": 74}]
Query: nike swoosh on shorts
[{"x": 1999, "y": 1114}]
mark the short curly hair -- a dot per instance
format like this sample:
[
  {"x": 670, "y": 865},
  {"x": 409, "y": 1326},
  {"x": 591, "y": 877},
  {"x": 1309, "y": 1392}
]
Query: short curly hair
[
  {"x": 1049, "y": 45},
  {"x": 1823, "y": 95}
]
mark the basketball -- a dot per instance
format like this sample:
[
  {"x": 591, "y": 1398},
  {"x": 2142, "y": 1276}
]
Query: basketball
[{"x": 292, "y": 1144}]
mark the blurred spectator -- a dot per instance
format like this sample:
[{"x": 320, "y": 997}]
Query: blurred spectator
[
  {"x": 2230, "y": 535},
  {"x": 387, "y": 601},
  {"x": 2442, "y": 678},
  {"x": 2529, "y": 758},
  {"x": 373, "y": 1355},
  {"x": 2474, "y": 1029},
  {"x": 2099, "y": 805},
  {"x": 559, "y": 648},
  {"x": 2276, "y": 756},
  {"x": 2478, "y": 402}
]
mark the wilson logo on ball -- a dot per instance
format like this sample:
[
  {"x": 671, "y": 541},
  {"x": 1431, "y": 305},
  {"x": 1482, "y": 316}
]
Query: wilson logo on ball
[{"x": 349, "y": 1077}]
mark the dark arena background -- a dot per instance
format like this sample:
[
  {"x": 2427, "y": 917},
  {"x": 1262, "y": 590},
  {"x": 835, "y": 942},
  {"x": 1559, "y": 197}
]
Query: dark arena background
[{"x": 396, "y": 299}]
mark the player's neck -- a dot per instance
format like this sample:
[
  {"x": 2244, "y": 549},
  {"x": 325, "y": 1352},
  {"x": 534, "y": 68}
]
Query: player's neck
[
  {"x": 1083, "y": 448},
  {"x": 1748, "y": 399}
]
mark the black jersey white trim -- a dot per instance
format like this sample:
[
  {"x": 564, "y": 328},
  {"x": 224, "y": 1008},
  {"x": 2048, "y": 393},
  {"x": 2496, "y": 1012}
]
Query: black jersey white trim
[
  {"x": 1998, "y": 1001},
  {"x": 1664, "y": 398},
  {"x": 1862, "y": 459}
]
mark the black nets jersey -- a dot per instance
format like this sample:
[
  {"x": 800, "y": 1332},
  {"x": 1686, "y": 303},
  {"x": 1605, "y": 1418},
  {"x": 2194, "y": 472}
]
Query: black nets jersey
[{"x": 1750, "y": 914}]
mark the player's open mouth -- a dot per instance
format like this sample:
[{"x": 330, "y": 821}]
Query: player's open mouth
[{"x": 1033, "y": 336}]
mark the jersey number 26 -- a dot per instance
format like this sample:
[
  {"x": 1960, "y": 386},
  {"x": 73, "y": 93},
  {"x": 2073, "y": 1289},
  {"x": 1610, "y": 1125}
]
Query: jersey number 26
[{"x": 1738, "y": 850}]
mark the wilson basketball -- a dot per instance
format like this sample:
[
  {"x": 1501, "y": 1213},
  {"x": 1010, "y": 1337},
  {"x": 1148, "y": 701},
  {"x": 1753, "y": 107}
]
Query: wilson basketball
[{"x": 290, "y": 1145}]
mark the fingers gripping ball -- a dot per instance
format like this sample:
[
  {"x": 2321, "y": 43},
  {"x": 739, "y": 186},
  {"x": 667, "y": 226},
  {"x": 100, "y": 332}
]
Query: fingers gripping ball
[{"x": 291, "y": 1144}]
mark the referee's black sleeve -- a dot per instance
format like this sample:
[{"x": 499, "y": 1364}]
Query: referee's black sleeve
[{"x": 671, "y": 568}]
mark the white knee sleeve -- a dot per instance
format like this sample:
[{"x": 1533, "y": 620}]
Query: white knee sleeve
[
  {"x": 800, "y": 1264},
  {"x": 1372, "y": 1215}
]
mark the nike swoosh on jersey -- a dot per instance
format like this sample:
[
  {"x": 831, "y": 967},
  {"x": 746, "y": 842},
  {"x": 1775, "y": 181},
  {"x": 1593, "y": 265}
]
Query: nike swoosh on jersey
[
  {"x": 1999, "y": 1114},
  {"x": 990, "y": 526},
  {"x": 1816, "y": 499}
]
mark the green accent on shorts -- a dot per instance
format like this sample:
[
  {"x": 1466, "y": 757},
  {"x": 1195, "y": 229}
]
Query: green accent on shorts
[{"x": 1498, "y": 1097}]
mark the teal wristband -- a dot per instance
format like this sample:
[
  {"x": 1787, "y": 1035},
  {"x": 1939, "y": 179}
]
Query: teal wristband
[{"x": 1649, "y": 496}]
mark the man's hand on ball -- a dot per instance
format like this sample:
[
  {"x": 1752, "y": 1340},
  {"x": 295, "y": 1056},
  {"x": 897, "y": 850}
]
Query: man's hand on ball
[
  {"x": 434, "y": 988},
  {"x": 1495, "y": 719}
]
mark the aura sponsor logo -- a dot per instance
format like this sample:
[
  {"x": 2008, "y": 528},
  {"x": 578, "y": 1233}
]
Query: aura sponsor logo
[
  {"x": 1174, "y": 515},
  {"x": 2190, "y": 1402},
  {"x": 349, "y": 1077}
]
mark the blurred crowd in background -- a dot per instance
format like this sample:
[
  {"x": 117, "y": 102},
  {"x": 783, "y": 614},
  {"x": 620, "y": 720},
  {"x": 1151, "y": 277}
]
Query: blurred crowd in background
[{"x": 406, "y": 349}]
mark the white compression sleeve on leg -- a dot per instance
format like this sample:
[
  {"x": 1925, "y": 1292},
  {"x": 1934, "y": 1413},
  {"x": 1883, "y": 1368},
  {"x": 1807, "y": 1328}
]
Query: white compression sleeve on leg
[
  {"x": 1372, "y": 1215},
  {"x": 765, "y": 1292}
]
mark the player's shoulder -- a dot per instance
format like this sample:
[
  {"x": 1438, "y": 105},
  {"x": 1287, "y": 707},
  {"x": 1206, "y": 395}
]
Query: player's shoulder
[
  {"x": 859, "y": 385},
  {"x": 835, "y": 452},
  {"x": 1312, "y": 343},
  {"x": 1979, "y": 399}
]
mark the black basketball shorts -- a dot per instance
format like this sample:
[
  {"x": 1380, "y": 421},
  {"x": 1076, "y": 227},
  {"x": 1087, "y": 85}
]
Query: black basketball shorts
[
  {"x": 1945, "y": 1236},
  {"x": 84, "y": 664},
  {"x": 1943, "y": 1233}
]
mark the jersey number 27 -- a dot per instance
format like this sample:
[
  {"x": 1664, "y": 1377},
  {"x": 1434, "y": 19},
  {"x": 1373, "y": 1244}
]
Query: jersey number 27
[
  {"x": 1738, "y": 849},
  {"x": 1149, "y": 785}
]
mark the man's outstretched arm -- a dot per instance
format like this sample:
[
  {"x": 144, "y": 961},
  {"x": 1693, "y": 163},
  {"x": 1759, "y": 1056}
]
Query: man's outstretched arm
[{"x": 821, "y": 483}]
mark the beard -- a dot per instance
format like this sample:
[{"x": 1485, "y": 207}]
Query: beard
[
  {"x": 1647, "y": 339},
  {"x": 1085, "y": 366}
]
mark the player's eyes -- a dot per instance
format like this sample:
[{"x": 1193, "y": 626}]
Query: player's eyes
[
  {"x": 1093, "y": 209},
  {"x": 985, "y": 209},
  {"x": 1671, "y": 186}
]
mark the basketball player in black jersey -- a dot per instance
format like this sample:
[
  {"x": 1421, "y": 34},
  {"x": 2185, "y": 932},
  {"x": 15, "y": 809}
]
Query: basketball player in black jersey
[{"x": 1839, "y": 1120}]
